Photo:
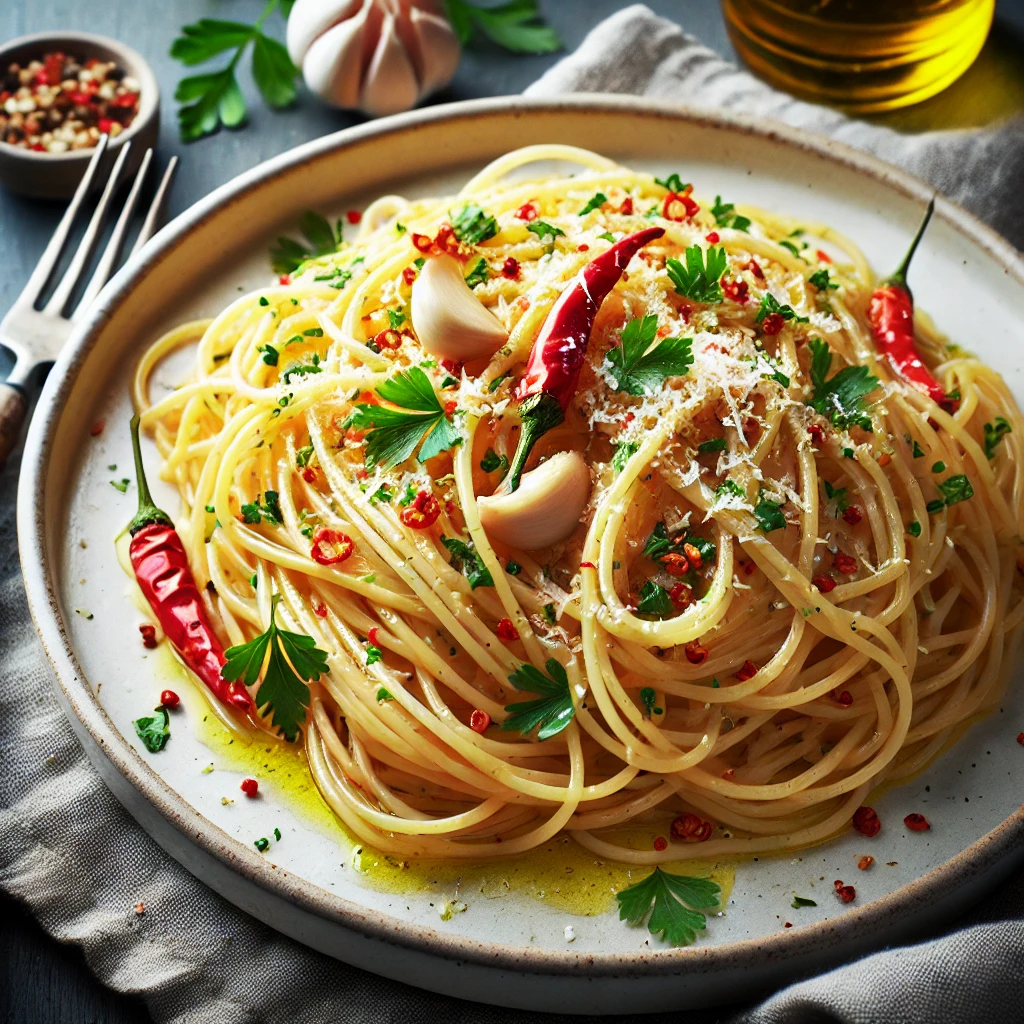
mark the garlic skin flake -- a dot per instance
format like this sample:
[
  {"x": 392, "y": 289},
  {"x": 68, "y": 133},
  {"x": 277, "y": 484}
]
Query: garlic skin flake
[
  {"x": 544, "y": 509},
  {"x": 449, "y": 320},
  {"x": 378, "y": 56}
]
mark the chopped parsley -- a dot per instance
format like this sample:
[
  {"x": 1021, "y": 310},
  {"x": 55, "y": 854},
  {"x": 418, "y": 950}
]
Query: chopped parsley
[
  {"x": 917, "y": 451},
  {"x": 594, "y": 203},
  {"x": 301, "y": 369},
  {"x": 640, "y": 370},
  {"x": 373, "y": 654},
  {"x": 120, "y": 485},
  {"x": 262, "y": 844},
  {"x": 607, "y": 236},
  {"x": 542, "y": 229},
  {"x": 914, "y": 528},
  {"x": 715, "y": 444},
  {"x": 270, "y": 354},
  {"x": 395, "y": 433},
  {"x": 473, "y": 225},
  {"x": 729, "y": 489},
  {"x": 322, "y": 238},
  {"x": 673, "y": 183},
  {"x": 698, "y": 280},
  {"x": 654, "y": 601},
  {"x": 934, "y": 506},
  {"x": 840, "y": 398},
  {"x": 468, "y": 562},
  {"x": 849, "y": 453},
  {"x": 837, "y": 500},
  {"x": 994, "y": 434},
  {"x": 769, "y": 305},
  {"x": 938, "y": 467},
  {"x": 821, "y": 280},
  {"x": 769, "y": 515},
  {"x": 649, "y": 698},
  {"x": 478, "y": 275},
  {"x": 154, "y": 731},
  {"x": 659, "y": 542},
  {"x": 673, "y": 902},
  {"x": 624, "y": 451},
  {"x": 384, "y": 694},
  {"x": 294, "y": 660},
  {"x": 513, "y": 568},
  {"x": 549, "y": 610},
  {"x": 551, "y": 712},
  {"x": 726, "y": 216},
  {"x": 490, "y": 462},
  {"x": 956, "y": 488},
  {"x": 303, "y": 455},
  {"x": 802, "y": 901},
  {"x": 397, "y": 317},
  {"x": 269, "y": 510}
]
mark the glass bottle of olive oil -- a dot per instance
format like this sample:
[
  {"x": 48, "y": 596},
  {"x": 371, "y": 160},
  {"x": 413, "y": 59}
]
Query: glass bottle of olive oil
[{"x": 863, "y": 55}]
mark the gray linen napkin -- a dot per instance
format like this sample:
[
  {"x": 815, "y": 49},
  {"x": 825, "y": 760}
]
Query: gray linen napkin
[{"x": 71, "y": 853}]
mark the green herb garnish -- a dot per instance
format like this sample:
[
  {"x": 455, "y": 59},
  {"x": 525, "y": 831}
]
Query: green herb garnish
[
  {"x": 472, "y": 224},
  {"x": 654, "y": 601},
  {"x": 154, "y": 731},
  {"x": 594, "y": 203},
  {"x": 553, "y": 709},
  {"x": 840, "y": 398},
  {"x": 321, "y": 240},
  {"x": 994, "y": 434},
  {"x": 468, "y": 562},
  {"x": 639, "y": 369},
  {"x": 698, "y": 280},
  {"x": 673, "y": 902}
]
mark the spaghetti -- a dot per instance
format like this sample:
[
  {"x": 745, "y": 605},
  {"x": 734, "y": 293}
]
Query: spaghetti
[{"x": 793, "y": 579}]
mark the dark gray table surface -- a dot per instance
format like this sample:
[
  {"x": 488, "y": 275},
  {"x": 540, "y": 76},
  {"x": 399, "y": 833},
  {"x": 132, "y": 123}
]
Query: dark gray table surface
[{"x": 42, "y": 982}]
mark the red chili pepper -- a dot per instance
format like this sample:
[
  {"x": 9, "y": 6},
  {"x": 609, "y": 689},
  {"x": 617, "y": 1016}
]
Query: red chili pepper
[
  {"x": 844, "y": 563},
  {"x": 330, "y": 546},
  {"x": 891, "y": 313},
  {"x": 409, "y": 275},
  {"x": 506, "y": 632},
  {"x": 737, "y": 290},
  {"x": 1020, "y": 738},
  {"x": 422, "y": 512},
  {"x": 479, "y": 721},
  {"x": 846, "y": 893},
  {"x": 695, "y": 652},
  {"x": 587, "y": 565},
  {"x": 553, "y": 369},
  {"x": 853, "y": 515},
  {"x": 755, "y": 268},
  {"x": 148, "y": 635},
  {"x": 772, "y": 324},
  {"x": 845, "y": 699},
  {"x": 660, "y": 843},
  {"x": 865, "y": 862},
  {"x": 97, "y": 428},
  {"x": 169, "y": 699},
  {"x": 866, "y": 821},
  {"x": 353, "y": 216},
  {"x": 747, "y": 671},
  {"x": 713, "y": 237},
  {"x": 510, "y": 268},
  {"x": 162, "y": 570},
  {"x": 526, "y": 212},
  {"x": 675, "y": 563},
  {"x": 824, "y": 583},
  {"x": 681, "y": 595},
  {"x": 685, "y": 826},
  {"x": 703, "y": 833},
  {"x": 917, "y": 823},
  {"x": 250, "y": 787}
]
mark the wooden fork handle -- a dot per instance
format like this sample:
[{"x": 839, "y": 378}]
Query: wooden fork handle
[{"x": 12, "y": 416}]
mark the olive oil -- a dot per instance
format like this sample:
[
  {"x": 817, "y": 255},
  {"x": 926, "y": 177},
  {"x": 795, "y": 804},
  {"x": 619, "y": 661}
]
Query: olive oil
[{"x": 862, "y": 55}]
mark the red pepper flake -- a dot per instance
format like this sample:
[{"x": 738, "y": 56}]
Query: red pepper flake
[
  {"x": 737, "y": 290},
  {"x": 693, "y": 556},
  {"x": 587, "y": 565},
  {"x": 704, "y": 832},
  {"x": 823, "y": 257},
  {"x": 846, "y": 893},
  {"x": 670, "y": 207},
  {"x": 353, "y": 216},
  {"x": 755, "y": 268},
  {"x": 853, "y": 515},
  {"x": 824, "y": 583},
  {"x": 320, "y": 610},
  {"x": 867, "y": 822},
  {"x": 409, "y": 274},
  {"x": 675, "y": 563},
  {"x": 169, "y": 699},
  {"x": 527, "y": 212},
  {"x": 627, "y": 206},
  {"x": 506, "y": 632},
  {"x": 681, "y": 595},
  {"x": 510, "y": 268},
  {"x": 884, "y": 459},
  {"x": 371, "y": 635},
  {"x": 450, "y": 407},
  {"x": 330, "y": 546},
  {"x": 388, "y": 338},
  {"x": 97, "y": 428},
  {"x": 1020, "y": 738},
  {"x": 421, "y": 512},
  {"x": 845, "y": 699},
  {"x": 660, "y": 843},
  {"x": 309, "y": 474},
  {"x": 148, "y": 635},
  {"x": 772, "y": 323},
  {"x": 713, "y": 237},
  {"x": 865, "y": 862},
  {"x": 817, "y": 434},
  {"x": 250, "y": 787},
  {"x": 729, "y": 773},
  {"x": 748, "y": 671},
  {"x": 844, "y": 563},
  {"x": 917, "y": 823},
  {"x": 422, "y": 242},
  {"x": 696, "y": 652},
  {"x": 685, "y": 826},
  {"x": 788, "y": 924},
  {"x": 583, "y": 248},
  {"x": 285, "y": 279},
  {"x": 749, "y": 568},
  {"x": 479, "y": 721}
]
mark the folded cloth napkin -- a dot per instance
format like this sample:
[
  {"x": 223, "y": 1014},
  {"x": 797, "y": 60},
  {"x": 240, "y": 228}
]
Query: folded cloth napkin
[{"x": 69, "y": 851}]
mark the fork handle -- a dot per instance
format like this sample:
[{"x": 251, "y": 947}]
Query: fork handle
[{"x": 12, "y": 416}]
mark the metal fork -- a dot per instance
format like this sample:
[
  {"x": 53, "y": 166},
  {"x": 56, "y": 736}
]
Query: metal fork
[{"x": 37, "y": 336}]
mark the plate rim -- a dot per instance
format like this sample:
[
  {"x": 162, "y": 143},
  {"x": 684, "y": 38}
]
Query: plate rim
[{"x": 855, "y": 928}]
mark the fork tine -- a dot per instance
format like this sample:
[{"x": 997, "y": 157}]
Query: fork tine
[
  {"x": 59, "y": 299},
  {"x": 44, "y": 268},
  {"x": 113, "y": 250},
  {"x": 156, "y": 207}
]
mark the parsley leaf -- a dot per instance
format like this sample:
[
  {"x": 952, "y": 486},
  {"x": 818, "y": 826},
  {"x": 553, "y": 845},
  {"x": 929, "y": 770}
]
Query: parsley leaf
[
  {"x": 726, "y": 216},
  {"x": 648, "y": 698},
  {"x": 468, "y": 562},
  {"x": 802, "y": 901},
  {"x": 624, "y": 451},
  {"x": 640, "y": 370},
  {"x": 769, "y": 304},
  {"x": 516, "y": 25},
  {"x": 269, "y": 510},
  {"x": 542, "y": 229},
  {"x": 837, "y": 500},
  {"x": 303, "y": 455},
  {"x": 154, "y": 732},
  {"x": 821, "y": 280},
  {"x": 301, "y": 369},
  {"x": 373, "y": 654},
  {"x": 769, "y": 515},
  {"x": 472, "y": 224},
  {"x": 673, "y": 183},
  {"x": 715, "y": 444},
  {"x": 654, "y": 601},
  {"x": 698, "y": 280},
  {"x": 287, "y": 662},
  {"x": 480, "y": 274},
  {"x": 490, "y": 462},
  {"x": 659, "y": 542},
  {"x": 321, "y": 240},
  {"x": 956, "y": 488},
  {"x": 553, "y": 709},
  {"x": 994, "y": 434},
  {"x": 394, "y": 434},
  {"x": 594, "y": 203},
  {"x": 842, "y": 397},
  {"x": 674, "y": 903},
  {"x": 918, "y": 451}
]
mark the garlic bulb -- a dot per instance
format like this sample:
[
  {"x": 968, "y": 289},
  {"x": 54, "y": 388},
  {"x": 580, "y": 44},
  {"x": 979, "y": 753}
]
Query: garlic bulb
[
  {"x": 380, "y": 56},
  {"x": 544, "y": 509},
  {"x": 449, "y": 320}
]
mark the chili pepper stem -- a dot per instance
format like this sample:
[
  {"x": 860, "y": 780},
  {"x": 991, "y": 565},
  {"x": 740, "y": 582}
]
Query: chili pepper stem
[
  {"x": 899, "y": 277},
  {"x": 537, "y": 415},
  {"x": 148, "y": 513}
]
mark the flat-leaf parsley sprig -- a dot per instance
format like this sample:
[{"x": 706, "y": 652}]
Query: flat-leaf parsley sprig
[
  {"x": 551, "y": 712},
  {"x": 516, "y": 25},
  {"x": 842, "y": 397},
  {"x": 674, "y": 903},
  {"x": 641, "y": 370},
  {"x": 321, "y": 239},
  {"x": 699, "y": 278},
  {"x": 292, "y": 660},
  {"x": 214, "y": 99}
]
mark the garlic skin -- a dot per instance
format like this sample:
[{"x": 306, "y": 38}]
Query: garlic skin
[
  {"x": 378, "y": 56},
  {"x": 449, "y": 320},
  {"x": 544, "y": 509}
]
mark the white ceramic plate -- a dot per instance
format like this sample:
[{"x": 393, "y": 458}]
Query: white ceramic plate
[{"x": 311, "y": 884}]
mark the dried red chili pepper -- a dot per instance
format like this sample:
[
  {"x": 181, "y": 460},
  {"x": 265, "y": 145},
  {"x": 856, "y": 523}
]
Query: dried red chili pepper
[
  {"x": 353, "y": 216},
  {"x": 320, "y": 610},
  {"x": 865, "y": 862},
  {"x": 527, "y": 212},
  {"x": 673, "y": 199},
  {"x": 1020, "y": 738},
  {"x": 747, "y": 671},
  {"x": 422, "y": 512},
  {"x": 250, "y": 787},
  {"x": 823, "y": 583},
  {"x": 510, "y": 268},
  {"x": 845, "y": 699},
  {"x": 817, "y": 434},
  {"x": 772, "y": 323},
  {"x": 587, "y": 565},
  {"x": 675, "y": 563},
  {"x": 681, "y": 595},
  {"x": 737, "y": 290},
  {"x": 163, "y": 574},
  {"x": 844, "y": 563},
  {"x": 713, "y": 237},
  {"x": 917, "y": 823},
  {"x": 866, "y": 821},
  {"x": 891, "y": 313},
  {"x": 479, "y": 721},
  {"x": 553, "y": 369},
  {"x": 506, "y": 632},
  {"x": 703, "y": 833},
  {"x": 330, "y": 546},
  {"x": 660, "y": 843},
  {"x": 169, "y": 699},
  {"x": 685, "y": 825},
  {"x": 755, "y": 268},
  {"x": 627, "y": 206},
  {"x": 853, "y": 515},
  {"x": 148, "y": 635},
  {"x": 695, "y": 652},
  {"x": 693, "y": 556},
  {"x": 846, "y": 893}
]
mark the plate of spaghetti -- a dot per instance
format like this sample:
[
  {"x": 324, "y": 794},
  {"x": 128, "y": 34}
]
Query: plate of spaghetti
[{"x": 574, "y": 562}]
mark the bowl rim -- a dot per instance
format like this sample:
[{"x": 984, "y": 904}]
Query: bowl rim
[
  {"x": 857, "y": 930},
  {"x": 130, "y": 59}
]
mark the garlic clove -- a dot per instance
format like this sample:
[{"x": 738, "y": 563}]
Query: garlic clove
[
  {"x": 389, "y": 84},
  {"x": 449, "y": 320},
  {"x": 544, "y": 509},
  {"x": 438, "y": 50},
  {"x": 332, "y": 65},
  {"x": 309, "y": 19}
]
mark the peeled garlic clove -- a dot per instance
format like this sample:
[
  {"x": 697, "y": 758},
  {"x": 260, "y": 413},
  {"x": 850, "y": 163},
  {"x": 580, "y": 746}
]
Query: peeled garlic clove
[
  {"x": 438, "y": 50},
  {"x": 332, "y": 65},
  {"x": 449, "y": 320},
  {"x": 389, "y": 84},
  {"x": 544, "y": 509}
]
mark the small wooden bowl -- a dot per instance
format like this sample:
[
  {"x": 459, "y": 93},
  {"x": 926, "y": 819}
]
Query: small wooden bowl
[{"x": 56, "y": 175}]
